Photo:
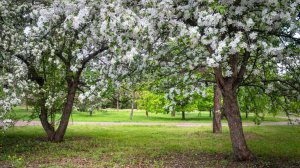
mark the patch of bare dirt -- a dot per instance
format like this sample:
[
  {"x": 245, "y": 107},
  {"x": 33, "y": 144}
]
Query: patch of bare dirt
[
  {"x": 76, "y": 162},
  {"x": 42, "y": 139},
  {"x": 5, "y": 164}
]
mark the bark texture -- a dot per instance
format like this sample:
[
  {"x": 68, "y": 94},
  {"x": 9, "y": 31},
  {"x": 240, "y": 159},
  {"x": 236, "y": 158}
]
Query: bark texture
[
  {"x": 49, "y": 129},
  {"x": 67, "y": 110},
  {"x": 217, "y": 115},
  {"x": 232, "y": 113}
]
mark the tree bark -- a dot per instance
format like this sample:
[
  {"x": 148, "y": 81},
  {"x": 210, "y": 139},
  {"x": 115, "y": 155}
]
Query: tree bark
[
  {"x": 217, "y": 115},
  {"x": 49, "y": 129},
  {"x": 232, "y": 113},
  {"x": 228, "y": 86},
  {"x": 183, "y": 115},
  {"x": 67, "y": 110},
  {"x": 132, "y": 105}
]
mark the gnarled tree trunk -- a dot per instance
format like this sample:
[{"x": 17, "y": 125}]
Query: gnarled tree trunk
[
  {"x": 232, "y": 113},
  {"x": 217, "y": 115}
]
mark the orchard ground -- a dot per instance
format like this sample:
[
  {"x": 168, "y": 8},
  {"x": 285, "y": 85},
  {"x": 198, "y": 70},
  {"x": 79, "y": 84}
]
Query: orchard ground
[{"x": 147, "y": 146}]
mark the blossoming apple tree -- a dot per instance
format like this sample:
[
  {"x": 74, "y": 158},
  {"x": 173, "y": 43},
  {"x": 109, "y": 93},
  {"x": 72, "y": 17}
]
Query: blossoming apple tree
[
  {"x": 68, "y": 49},
  {"x": 71, "y": 47},
  {"x": 236, "y": 41}
]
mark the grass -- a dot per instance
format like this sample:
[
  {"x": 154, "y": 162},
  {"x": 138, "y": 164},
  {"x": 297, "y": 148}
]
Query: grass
[
  {"x": 113, "y": 115},
  {"x": 148, "y": 146}
]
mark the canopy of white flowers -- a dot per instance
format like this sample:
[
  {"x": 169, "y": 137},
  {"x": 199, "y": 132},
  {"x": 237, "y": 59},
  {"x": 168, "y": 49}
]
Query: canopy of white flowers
[{"x": 100, "y": 39}]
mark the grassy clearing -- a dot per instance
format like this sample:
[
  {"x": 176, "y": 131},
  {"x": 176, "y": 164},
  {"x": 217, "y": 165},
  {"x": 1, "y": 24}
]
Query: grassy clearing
[
  {"x": 113, "y": 115},
  {"x": 148, "y": 146}
]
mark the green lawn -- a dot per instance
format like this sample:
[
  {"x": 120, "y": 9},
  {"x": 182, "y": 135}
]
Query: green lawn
[
  {"x": 113, "y": 115},
  {"x": 148, "y": 146}
]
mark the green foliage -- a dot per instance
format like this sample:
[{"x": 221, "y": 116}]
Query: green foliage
[
  {"x": 151, "y": 102},
  {"x": 205, "y": 102},
  {"x": 254, "y": 100}
]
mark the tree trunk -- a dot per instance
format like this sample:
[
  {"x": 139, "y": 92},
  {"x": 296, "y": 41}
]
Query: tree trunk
[
  {"x": 228, "y": 86},
  {"x": 26, "y": 98},
  {"x": 49, "y": 129},
  {"x": 232, "y": 113},
  {"x": 217, "y": 125},
  {"x": 246, "y": 112},
  {"x": 67, "y": 110},
  {"x": 147, "y": 114},
  {"x": 183, "y": 115},
  {"x": 132, "y": 106},
  {"x": 118, "y": 105},
  {"x": 91, "y": 113},
  {"x": 173, "y": 113}
]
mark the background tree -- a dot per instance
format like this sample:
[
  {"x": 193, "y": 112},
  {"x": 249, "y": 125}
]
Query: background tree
[
  {"x": 180, "y": 101},
  {"x": 151, "y": 102}
]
